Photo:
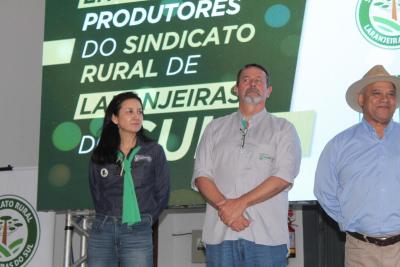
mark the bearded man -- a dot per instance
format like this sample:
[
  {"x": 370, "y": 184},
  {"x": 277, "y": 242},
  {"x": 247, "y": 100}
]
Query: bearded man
[{"x": 245, "y": 165}]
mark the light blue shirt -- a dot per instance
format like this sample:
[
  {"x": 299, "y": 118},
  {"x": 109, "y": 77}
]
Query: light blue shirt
[{"x": 357, "y": 181}]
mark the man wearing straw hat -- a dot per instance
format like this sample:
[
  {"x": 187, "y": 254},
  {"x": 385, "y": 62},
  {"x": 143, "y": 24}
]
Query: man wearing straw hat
[{"x": 357, "y": 181}]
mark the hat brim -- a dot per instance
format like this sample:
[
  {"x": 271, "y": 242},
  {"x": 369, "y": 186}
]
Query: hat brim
[{"x": 356, "y": 88}]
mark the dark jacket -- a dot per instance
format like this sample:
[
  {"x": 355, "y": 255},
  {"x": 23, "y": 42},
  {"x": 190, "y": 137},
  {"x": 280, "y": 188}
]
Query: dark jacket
[{"x": 150, "y": 177}]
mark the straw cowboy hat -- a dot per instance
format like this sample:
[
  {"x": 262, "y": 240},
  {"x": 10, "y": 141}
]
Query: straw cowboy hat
[{"x": 376, "y": 74}]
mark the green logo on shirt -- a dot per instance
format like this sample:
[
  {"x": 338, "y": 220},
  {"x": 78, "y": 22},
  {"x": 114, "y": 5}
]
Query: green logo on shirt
[{"x": 264, "y": 156}]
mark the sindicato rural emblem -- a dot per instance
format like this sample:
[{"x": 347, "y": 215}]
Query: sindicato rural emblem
[
  {"x": 379, "y": 22},
  {"x": 19, "y": 231}
]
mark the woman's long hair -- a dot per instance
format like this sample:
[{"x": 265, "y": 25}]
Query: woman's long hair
[{"x": 106, "y": 150}]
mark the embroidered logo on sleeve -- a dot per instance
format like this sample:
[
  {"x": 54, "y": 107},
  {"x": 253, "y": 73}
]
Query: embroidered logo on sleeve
[{"x": 143, "y": 158}]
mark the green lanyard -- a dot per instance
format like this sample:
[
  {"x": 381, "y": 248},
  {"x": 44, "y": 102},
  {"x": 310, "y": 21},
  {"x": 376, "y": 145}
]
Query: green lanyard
[{"x": 130, "y": 207}]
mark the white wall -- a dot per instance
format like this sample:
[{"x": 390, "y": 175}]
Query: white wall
[
  {"x": 175, "y": 240},
  {"x": 21, "y": 35}
]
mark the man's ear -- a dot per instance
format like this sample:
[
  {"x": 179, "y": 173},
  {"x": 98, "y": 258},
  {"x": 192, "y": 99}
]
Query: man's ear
[
  {"x": 269, "y": 91},
  {"x": 235, "y": 90},
  {"x": 360, "y": 99}
]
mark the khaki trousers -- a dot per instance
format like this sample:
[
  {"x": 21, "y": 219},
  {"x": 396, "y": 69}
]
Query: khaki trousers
[{"x": 362, "y": 254}]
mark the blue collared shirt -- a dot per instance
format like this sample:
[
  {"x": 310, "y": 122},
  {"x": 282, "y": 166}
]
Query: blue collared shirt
[{"x": 357, "y": 181}]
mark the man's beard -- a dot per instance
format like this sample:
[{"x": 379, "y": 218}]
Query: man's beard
[{"x": 252, "y": 100}]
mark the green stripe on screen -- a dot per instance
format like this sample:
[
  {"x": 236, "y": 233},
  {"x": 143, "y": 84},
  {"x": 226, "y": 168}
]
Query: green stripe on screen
[
  {"x": 84, "y": 4},
  {"x": 304, "y": 122},
  {"x": 58, "y": 52}
]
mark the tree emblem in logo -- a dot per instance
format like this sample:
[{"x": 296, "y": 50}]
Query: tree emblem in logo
[
  {"x": 19, "y": 231},
  {"x": 379, "y": 23}
]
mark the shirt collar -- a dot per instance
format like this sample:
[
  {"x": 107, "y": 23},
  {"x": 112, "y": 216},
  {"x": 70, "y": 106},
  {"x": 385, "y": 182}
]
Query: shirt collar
[
  {"x": 253, "y": 120},
  {"x": 371, "y": 129}
]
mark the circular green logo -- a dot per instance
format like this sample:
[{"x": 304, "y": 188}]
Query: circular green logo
[
  {"x": 379, "y": 22},
  {"x": 19, "y": 231}
]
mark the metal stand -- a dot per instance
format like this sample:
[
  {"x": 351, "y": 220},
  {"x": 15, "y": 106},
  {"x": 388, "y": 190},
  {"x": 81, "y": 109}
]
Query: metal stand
[{"x": 76, "y": 222}]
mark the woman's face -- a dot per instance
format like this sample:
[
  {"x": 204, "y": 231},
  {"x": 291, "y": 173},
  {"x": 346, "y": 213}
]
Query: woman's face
[{"x": 130, "y": 116}]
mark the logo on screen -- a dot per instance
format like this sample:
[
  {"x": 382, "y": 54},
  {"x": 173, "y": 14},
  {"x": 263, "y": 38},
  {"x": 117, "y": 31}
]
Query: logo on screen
[
  {"x": 19, "y": 231},
  {"x": 379, "y": 22}
]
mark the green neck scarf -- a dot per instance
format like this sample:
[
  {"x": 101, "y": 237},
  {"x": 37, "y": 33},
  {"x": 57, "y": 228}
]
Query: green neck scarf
[
  {"x": 130, "y": 207},
  {"x": 245, "y": 124}
]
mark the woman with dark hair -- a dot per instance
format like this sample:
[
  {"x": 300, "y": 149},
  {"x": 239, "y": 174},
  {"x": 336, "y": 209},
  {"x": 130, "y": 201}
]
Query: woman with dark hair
[{"x": 129, "y": 183}]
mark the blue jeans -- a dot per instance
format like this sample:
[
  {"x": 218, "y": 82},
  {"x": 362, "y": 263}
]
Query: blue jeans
[
  {"x": 243, "y": 253},
  {"x": 113, "y": 244}
]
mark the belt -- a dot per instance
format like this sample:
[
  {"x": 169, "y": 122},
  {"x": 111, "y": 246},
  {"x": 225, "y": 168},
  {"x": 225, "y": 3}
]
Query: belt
[{"x": 379, "y": 241}]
